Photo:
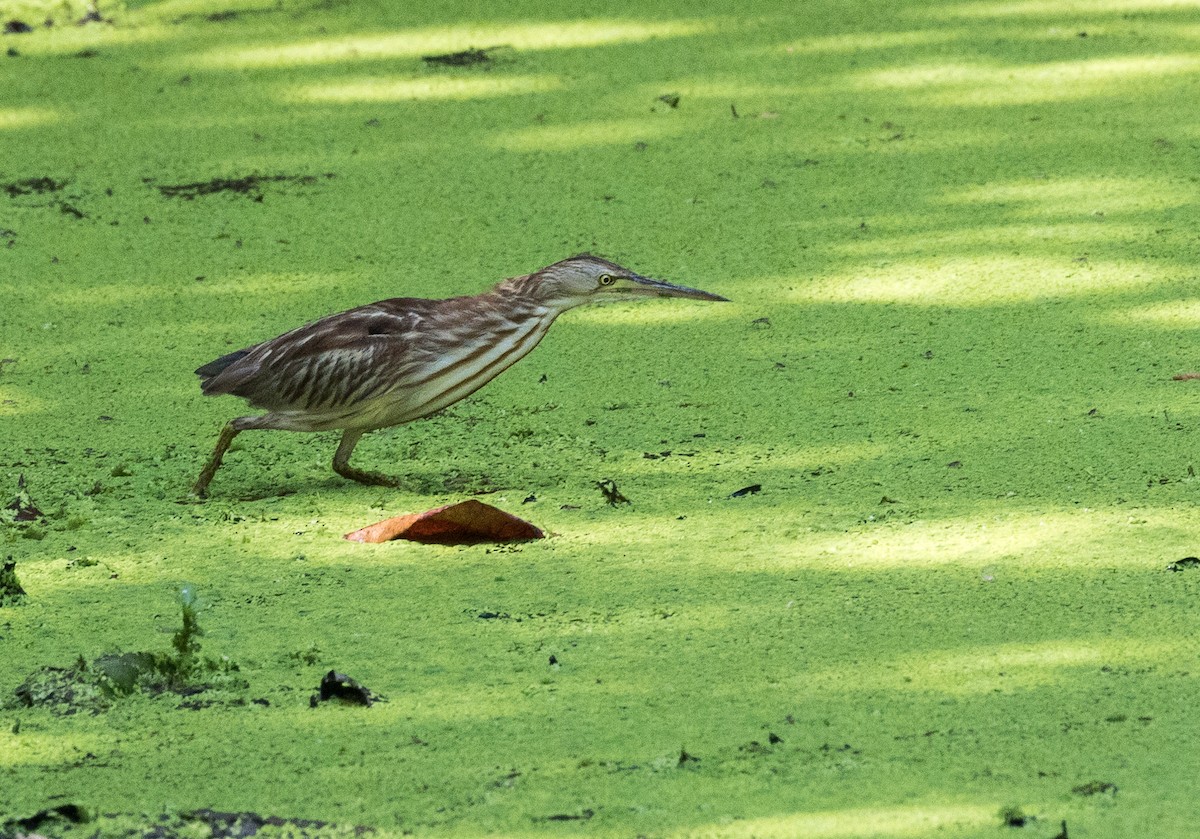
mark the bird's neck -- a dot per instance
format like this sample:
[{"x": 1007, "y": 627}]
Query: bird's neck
[{"x": 529, "y": 295}]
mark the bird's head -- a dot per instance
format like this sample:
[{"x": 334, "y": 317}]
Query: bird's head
[{"x": 589, "y": 279}]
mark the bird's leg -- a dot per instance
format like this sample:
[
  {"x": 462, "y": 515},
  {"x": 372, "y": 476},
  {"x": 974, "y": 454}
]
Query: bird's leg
[
  {"x": 341, "y": 463},
  {"x": 230, "y": 431}
]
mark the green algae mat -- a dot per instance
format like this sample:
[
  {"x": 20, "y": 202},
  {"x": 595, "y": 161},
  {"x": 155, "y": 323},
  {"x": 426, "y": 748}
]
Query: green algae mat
[{"x": 910, "y": 523}]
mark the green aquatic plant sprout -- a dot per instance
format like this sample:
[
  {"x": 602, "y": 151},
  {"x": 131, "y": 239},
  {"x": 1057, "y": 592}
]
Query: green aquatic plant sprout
[
  {"x": 186, "y": 641},
  {"x": 182, "y": 671},
  {"x": 178, "y": 672},
  {"x": 94, "y": 686}
]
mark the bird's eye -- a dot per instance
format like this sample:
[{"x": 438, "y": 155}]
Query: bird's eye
[{"x": 607, "y": 279}]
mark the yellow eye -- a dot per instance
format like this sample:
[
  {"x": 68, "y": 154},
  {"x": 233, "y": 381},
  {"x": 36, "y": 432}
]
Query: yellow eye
[{"x": 607, "y": 279}]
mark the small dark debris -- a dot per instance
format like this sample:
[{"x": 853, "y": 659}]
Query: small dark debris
[
  {"x": 465, "y": 58},
  {"x": 196, "y": 705},
  {"x": 71, "y": 813},
  {"x": 753, "y": 489},
  {"x": 93, "y": 16},
  {"x": 529, "y": 499},
  {"x": 223, "y": 824},
  {"x": 612, "y": 495},
  {"x": 774, "y": 739},
  {"x": 954, "y": 464},
  {"x": 733, "y": 110},
  {"x": 11, "y": 591},
  {"x": 63, "y": 690},
  {"x": 17, "y": 27},
  {"x": 71, "y": 210},
  {"x": 22, "y": 505},
  {"x": 671, "y": 99},
  {"x": 491, "y": 616},
  {"x": 1014, "y": 817},
  {"x": 888, "y": 500},
  {"x": 582, "y": 815},
  {"x": 12, "y": 52},
  {"x": 1186, "y": 562},
  {"x": 845, "y": 747},
  {"x": 1095, "y": 788},
  {"x": 553, "y": 660},
  {"x": 250, "y": 185},
  {"x": 761, "y": 323},
  {"x": 30, "y": 186},
  {"x": 685, "y": 758},
  {"x": 336, "y": 685}
]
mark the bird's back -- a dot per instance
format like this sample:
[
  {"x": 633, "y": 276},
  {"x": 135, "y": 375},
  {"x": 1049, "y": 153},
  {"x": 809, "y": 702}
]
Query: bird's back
[{"x": 378, "y": 365}]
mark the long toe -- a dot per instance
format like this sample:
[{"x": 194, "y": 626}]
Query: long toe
[{"x": 377, "y": 479}]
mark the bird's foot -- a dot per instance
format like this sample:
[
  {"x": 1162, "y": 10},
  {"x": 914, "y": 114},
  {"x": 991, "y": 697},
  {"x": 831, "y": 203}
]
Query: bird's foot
[
  {"x": 376, "y": 479},
  {"x": 200, "y": 488}
]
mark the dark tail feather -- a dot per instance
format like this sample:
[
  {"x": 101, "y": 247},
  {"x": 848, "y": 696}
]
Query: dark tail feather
[{"x": 214, "y": 368}]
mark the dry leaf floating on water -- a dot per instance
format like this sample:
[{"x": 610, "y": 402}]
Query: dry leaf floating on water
[{"x": 465, "y": 523}]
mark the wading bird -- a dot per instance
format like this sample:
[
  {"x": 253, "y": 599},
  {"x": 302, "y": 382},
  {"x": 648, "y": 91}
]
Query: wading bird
[{"x": 402, "y": 359}]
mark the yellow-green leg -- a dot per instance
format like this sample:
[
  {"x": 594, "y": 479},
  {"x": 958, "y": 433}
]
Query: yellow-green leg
[
  {"x": 341, "y": 463},
  {"x": 200, "y": 489}
]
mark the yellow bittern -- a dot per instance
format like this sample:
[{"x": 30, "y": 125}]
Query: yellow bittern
[{"x": 402, "y": 359}]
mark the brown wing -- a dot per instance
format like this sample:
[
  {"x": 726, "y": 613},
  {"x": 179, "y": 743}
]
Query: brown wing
[{"x": 331, "y": 363}]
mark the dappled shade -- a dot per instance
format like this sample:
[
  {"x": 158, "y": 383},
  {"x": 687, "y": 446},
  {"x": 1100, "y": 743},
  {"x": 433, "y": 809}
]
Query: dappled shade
[{"x": 961, "y": 237}]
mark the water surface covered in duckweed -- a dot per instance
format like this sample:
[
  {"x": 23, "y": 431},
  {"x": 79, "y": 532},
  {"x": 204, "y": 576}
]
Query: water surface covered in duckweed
[{"x": 960, "y": 239}]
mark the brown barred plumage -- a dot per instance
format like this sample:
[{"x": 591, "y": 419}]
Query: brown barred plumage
[{"x": 398, "y": 360}]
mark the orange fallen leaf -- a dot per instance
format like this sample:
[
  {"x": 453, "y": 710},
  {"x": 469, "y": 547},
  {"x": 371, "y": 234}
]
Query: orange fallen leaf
[{"x": 465, "y": 523}]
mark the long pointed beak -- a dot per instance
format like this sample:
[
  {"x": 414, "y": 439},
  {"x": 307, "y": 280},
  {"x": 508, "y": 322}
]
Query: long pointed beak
[{"x": 644, "y": 286}]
